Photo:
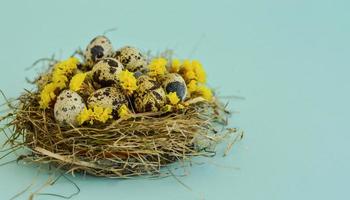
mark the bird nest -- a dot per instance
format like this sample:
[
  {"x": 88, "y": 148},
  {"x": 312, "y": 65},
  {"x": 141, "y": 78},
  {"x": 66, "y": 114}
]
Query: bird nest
[
  {"x": 141, "y": 145},
  {"x": 134, "y": 140}
]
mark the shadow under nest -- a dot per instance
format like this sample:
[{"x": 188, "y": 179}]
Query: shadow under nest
[{"x": 141, "y": 145}]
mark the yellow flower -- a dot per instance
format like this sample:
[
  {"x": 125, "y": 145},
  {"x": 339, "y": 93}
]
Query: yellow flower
[
  {"x": 192, "y": 86},
  {"x": 157, "y": 67},
  {"x": 186, "y": 65},
  {"x": 205, "y": 92},
  {"x": 128, "y": 81},
  {"x": 47, "y": 95},
  {"x": 96, "y": 113},
  {"x": 167, "y": 108},
  {"x": 199, "y": 71},
  {"x": 173, "y": 98},
  {"x": 190, "y": 75},
  {"x": 67, "y": 66},
  {"x": 85, "y": 115},
  {"x": 59, "y": 80},
  {"x": 63, "y": 69},
  {"x": 77, "y": 81},
  {"x": 124, "y": 112},
  {"x": 102, "y": 114},
  {"x": 175, "y": 65},
  {"x": 193, "y": 70}
]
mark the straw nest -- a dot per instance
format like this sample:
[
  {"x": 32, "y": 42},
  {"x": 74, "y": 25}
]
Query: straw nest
[{"x": 141, "y": 145}]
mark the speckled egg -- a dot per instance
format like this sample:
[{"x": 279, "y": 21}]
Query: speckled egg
[
  {"x": 67, "y": 107},
  {"x": 108, "y": 97},
  {"x": 151, "y": 101},
  {"x": 175, "y": 83},
  {"x": 100, "y": 47},
  {"x": 145, "y": 83},
  {"x": 131, "y": 58},
  {"x": 106, "y": 71}
]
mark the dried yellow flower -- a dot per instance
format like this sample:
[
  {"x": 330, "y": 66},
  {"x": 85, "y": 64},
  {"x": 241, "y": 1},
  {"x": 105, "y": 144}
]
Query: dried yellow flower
[
  {"x": 190, "y": 75},
  {"x": 175, "y": 65},
  {"x": 47, "y": 95},
  {"x": 192, "y": 86},
  {"x": 157, "y": 67},
  {"x": 127, "y": 81},
  {"x": 102, "y": 114},
  {"x": 173, "y": 98},
  {"x": 193, "y": 70},
  {"x": 77, "y": 81},
  {"x": 97, "y": 113},
  {"x": 59, "y": 79},
  {"x": 124, "y": 112},
  {"x": 199, "y": 71},
  {"x": 186, "y": 65},
  {"x": 205, "y": 92},
  {"x": 67, "y": 66},
  {"x": 85, "y": 115},
  {"x": 167, "y": 108}
]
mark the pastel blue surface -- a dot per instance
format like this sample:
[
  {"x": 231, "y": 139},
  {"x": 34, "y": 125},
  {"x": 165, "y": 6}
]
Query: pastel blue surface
[{"x": 289, "y": 59}]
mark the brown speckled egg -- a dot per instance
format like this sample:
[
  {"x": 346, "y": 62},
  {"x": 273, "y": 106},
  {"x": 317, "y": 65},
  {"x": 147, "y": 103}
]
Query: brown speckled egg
[
  {"x": 145, "y": 83},
  {"x": 106, "y": 71},
  {"x": 174, "y": 82},
  {"x": 150, "y": 101},
  {"x": 131, "y": 58},
  {"x": 100, "y": 47},
  {"x": 108, "y": 97},
  {"x": 67, "y": 107}
]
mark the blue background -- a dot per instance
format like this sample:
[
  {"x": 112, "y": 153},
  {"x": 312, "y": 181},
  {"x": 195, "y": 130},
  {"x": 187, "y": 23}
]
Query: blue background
[{"x": 289, "y": 59}]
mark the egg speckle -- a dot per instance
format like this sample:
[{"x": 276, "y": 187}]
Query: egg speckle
[
  {"x": 67, "y": 107},
  {"x": 150, "y": 101},
  {"x": 131, "y": 58},
  {"x": 100, "y": 47},
  {"x": 106, "y": 71},
  {"x": 145, "y": 83},
  {"x": 175, "y": 83},
  {"x": 108, "y": 97}
]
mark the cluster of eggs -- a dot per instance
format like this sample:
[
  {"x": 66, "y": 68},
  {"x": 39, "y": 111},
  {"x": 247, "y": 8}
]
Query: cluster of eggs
[{"x": 104, "y": 64}]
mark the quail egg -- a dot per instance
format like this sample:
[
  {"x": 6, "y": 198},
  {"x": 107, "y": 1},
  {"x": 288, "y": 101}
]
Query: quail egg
[
  {"x": 67, "y": 107},
  {"x": 131, "y": 58},
  {"x": 173, "y": 82},
  {"x": 150, "y": 101},
  {"x": 100, "y": 47},
  {"x": 106, "y": 70},
  {"x": 145, "y": 83},
  {"x": 108, "y": 97}
]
